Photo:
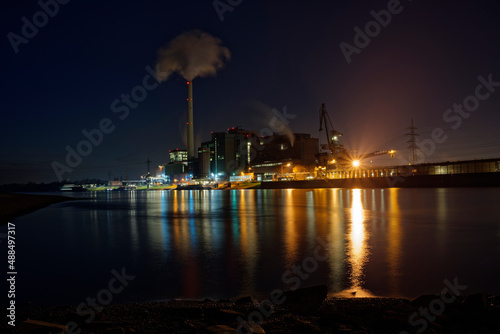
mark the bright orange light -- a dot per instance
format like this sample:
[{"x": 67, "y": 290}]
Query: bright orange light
[{"x": 355, "y": 163}]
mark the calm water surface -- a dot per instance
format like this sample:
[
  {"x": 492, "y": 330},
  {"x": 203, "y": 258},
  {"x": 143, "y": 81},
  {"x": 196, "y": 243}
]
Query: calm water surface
[{"x": 223, "y": 244}]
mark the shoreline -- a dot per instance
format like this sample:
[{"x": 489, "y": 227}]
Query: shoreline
[
  {"x": 304, "y": 311},
  {"x": 483, "y": 180},
  {"x": 14, "y": 205}
]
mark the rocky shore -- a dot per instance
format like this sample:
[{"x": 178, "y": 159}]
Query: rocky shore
[
  {"x": 15, "y": 205},
  {"x": 301, "y": 311}
]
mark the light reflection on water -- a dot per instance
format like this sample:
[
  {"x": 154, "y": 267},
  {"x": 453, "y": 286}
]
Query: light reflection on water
[
  {"x": 357, "y": 250},
  {"x": 222, "y": 244}
]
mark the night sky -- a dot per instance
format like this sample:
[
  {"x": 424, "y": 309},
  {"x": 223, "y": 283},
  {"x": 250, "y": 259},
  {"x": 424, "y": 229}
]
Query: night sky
[{"x": 283, "y": 53}]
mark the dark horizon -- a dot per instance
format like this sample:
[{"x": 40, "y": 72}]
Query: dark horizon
[{"x": 66, "y": 77}]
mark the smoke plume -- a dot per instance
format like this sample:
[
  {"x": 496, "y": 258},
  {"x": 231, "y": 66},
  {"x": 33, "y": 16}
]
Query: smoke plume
[
  {"x": 275, "y": 121},
  {"x": 192, "y": 54}
]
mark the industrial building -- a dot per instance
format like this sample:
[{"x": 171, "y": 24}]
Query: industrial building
[
  {"x": 285, "y": 156},
  {"x": 438, "y": 168},
  {"x": 177, "y": 168},
  {"x": 226, "y": 154},
  {"x": 239, "y": 153}
]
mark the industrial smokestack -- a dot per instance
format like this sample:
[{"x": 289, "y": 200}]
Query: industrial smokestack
[
  {"x": 190, "y": 129},
  {"x": 192, "y": 54}
]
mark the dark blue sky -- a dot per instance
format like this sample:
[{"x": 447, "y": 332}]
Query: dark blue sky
[{"x": 64, "y": 79}]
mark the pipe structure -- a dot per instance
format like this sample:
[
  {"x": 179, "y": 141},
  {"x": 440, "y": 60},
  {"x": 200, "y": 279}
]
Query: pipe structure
[{"x": 190, "y": 129}]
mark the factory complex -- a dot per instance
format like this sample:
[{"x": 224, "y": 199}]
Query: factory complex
[{"x": 240, "y": 155}]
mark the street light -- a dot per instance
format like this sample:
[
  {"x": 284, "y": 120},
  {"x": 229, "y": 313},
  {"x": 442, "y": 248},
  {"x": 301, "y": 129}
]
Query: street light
[{"x": 355, "y": 163}]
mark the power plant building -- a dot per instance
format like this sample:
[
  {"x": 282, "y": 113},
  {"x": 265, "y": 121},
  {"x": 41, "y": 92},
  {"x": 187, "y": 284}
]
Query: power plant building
[
  {"x": 205, "y": 157},
  {"x": 281, "y": 155},
  {"x": 223, "y": 156},
  {"x": 239, "y": 151},
  {"x": 302, "y": 149},
  {"x": 178, "y": 155},
  {"x": 177, "y": 167}
]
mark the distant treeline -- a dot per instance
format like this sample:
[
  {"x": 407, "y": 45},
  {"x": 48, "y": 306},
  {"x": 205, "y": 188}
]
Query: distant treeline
[{"x": 44, "y": 187}]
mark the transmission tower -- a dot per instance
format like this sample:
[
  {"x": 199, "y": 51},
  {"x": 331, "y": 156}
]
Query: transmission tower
[
  {"x": 148, "y": 163},
  {"x": 148, "y": 175},
  {"x": 412, "y": 143}
]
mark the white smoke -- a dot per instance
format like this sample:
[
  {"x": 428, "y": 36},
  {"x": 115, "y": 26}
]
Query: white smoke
[
  {"x": 277, "y": 122},
  {"x": 192, "y": 54}
]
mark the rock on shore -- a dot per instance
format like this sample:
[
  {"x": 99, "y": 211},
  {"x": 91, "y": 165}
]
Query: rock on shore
[{"x": 474, "y": 313}]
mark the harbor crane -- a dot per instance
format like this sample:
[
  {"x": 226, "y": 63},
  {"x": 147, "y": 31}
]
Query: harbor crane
[
  {"x": 332, "y": 135},
  {"x": 340, "y": 156}
]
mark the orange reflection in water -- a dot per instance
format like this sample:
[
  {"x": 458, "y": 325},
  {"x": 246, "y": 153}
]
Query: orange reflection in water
[
  {"x": 394, "y": 240},
  {"x": 291, "y": 237},
  {"x": 249, "y": 240},
  {"x": 357, "y": 248},
  {"x": 334, "y": 209}
]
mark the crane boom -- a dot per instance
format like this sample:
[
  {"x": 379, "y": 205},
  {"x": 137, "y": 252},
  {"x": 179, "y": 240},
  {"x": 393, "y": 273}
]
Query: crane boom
[
  {"x": 377, "y": 153},
  {"x": 332, "y": 135},
  {"x": 342, "y": 157}
]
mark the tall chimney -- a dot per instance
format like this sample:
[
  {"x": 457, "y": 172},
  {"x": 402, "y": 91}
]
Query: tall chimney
[{"x": 190, "y": 130}]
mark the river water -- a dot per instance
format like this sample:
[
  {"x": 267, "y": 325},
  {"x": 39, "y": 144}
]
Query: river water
[{"x": 224, "y": 244}]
